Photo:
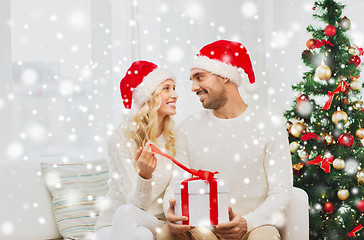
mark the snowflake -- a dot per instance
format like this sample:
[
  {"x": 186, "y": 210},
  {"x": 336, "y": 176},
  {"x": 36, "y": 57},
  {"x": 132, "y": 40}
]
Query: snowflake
[{"x": 249, "y": 9}]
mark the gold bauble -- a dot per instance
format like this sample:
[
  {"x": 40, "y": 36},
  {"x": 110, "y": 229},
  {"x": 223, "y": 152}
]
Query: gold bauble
[
  {"x": 293, "y": 147},
  {"x": 360, "y": 176},
  {"x": 353, "y": 51},
  {"x": 358, "y": 105},
  {"x": 323, "y": 72},
  {"x": 356, "y": 85},
  {"x": 339, "y": 116},
  {"x": 338, "y": 164},
  {"x": 297, "y": 129},
  {"x": 343, "y": 194},
  {"x": 359, "y": 133}
]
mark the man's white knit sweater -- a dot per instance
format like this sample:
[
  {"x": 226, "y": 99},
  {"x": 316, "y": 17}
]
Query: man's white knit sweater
[
  {"x": 126, "y": 186},
  {"x": 251, "y": 151}
]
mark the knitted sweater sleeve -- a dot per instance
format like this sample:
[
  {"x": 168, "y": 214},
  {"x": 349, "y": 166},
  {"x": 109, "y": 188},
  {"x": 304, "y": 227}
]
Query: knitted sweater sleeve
[
  {"x": 278, "y": 168},
  {"x": 124, "y": 177}
]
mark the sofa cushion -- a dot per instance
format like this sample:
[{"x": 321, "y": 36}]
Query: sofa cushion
[
  {"x": 78, "y": 191},
  {"x": 25, "y": 205}
]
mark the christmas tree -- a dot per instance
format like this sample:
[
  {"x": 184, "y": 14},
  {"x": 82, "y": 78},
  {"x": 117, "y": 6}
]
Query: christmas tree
[{"x": 326, "y": 126}]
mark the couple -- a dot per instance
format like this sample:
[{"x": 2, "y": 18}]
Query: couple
[{"x": 247, "y": 146}]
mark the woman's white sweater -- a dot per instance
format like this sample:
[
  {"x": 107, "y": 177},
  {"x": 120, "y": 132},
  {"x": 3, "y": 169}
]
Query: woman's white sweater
[{"x": 125, "y": 184}]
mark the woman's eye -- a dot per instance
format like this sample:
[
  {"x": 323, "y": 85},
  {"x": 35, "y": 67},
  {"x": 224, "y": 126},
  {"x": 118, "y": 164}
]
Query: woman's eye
[{"x": 166, "y": 88}]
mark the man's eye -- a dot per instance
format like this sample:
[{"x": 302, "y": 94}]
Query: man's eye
[{"x": 166, "y": 88}]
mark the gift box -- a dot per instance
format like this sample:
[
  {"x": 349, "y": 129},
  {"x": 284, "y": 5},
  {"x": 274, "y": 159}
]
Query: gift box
[{"x": 204, "y": 202}]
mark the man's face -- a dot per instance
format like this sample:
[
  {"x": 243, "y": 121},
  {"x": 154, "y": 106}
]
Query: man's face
[{"x": 209, "y": 87}]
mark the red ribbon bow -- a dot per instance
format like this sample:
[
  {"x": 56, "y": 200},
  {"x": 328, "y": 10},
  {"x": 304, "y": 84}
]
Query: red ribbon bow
[
  {"x": 355, "y": 230},
  {"x": 201, "y": 174},
  {"x": 343, "y": 87},
  {"x": 361, "y": 51},
  {"x": 324, "y": 162},
  {"x": 309, "y": 136},
  {"x": 320, "y": 43}
]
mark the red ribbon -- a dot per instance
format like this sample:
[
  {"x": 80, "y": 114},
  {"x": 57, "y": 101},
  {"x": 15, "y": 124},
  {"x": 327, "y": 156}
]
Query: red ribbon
[
  {"x": 320, "y": 43},
  {"x": 324, "y": 162},
  {"x": 309, "y": 136},
  {"x": 342, "y": 87},
  {"x": 201, "y": 175},
  {"x": 355, "y": 230},
  {"x": 361, "y": 51}
]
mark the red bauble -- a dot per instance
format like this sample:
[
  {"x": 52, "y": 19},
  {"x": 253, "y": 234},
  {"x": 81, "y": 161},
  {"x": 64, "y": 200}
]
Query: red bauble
[
  {"x": 360, "y": 205},
  {"x": 355, "y": 60},
  {"x": 330, "y": 30},
  {"x": 302, "y": 98},
  {"x": 310, "y": 43},
  {"x": 346, "y": 140},
  {"x": 329, "y": 207}
]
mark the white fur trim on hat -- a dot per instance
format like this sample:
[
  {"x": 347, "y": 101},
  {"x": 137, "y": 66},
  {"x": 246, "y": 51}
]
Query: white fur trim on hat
[
  {"x": 143, "y": 92},
  {"x": 219, "y": 68}
]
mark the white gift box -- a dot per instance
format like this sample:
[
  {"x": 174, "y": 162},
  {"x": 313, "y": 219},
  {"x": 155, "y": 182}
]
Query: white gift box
[{"x": 199, "y": 201}]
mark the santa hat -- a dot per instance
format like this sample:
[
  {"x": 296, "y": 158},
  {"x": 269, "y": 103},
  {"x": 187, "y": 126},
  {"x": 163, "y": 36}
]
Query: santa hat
[
  {"x": 140, "y": 81},
  {"x": 224, "y": 58}
]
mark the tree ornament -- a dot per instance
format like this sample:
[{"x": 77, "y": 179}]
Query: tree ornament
[
  {"x": 323, "y": 72},
  {"x": 310, "y": 43},
  {"x": 346, "y": 140},
  {"x": 358, "y": 105},
  {"x": 356, "y": 84},
  {"x": 360, "y": 205},
  {"x": 329, "y": 207},
  {"x": 355, "y": 60},
  {"x": 343, "y": 194},
  {"x": 330, "y": 30},
  {"x": 293, "y": 147},
  {"x": 302, "y": 98},
  {"x": 297, "y": 168},
  {"x": 359, "y": 133},
  {"x": 339, "y": 116},
  {"x": 344, "y": 23},
  {"x": 360, "y": 176},
  {"x": 353, "y": 50},
  {"x": 329, "y": 139},
  {"x": 338, "y": 164},
  {"x": 303, "y": 155},
  {"x": 297, "y": 129}
]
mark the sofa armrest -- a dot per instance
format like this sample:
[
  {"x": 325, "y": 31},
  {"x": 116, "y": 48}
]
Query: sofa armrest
[{"x": 297, "y": 221}]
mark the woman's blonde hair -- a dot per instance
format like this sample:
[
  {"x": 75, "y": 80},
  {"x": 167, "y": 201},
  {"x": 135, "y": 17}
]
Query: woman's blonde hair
[{"x": 145, "y": 125}]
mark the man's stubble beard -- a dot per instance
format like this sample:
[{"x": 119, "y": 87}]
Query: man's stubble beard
[{"x": 218, "y": 100}]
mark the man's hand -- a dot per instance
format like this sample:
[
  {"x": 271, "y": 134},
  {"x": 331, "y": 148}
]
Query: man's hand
[
  {"x": 234, "y": 229},
  {"x": 172, "y": 220}
]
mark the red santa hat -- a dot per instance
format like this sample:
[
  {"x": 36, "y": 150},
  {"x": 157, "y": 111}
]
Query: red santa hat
[
  {"x": 140, "y": 81},
  {"x": 225, "y": 58}
]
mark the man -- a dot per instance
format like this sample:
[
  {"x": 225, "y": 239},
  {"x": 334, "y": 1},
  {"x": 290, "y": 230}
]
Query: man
[{"x": 247, "y": 145}]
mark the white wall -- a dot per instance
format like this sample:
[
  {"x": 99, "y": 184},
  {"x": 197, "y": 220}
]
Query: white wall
[{"x": 5, "y": 78}]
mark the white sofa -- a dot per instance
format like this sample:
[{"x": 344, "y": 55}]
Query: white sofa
[{"x": 26, "y": 210}]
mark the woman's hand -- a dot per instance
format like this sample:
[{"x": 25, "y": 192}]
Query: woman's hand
[{"x": 146, "y": 161}]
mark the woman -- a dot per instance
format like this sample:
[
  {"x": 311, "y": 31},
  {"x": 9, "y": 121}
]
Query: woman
[{"x": 138, "y": 178}]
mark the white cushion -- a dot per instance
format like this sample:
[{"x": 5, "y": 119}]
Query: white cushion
[
  {"x": 78, "y": 191},
  {"x": 25, "y": 205}
]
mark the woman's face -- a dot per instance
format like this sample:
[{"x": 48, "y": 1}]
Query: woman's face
[{"x": 169, "y": 98}]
